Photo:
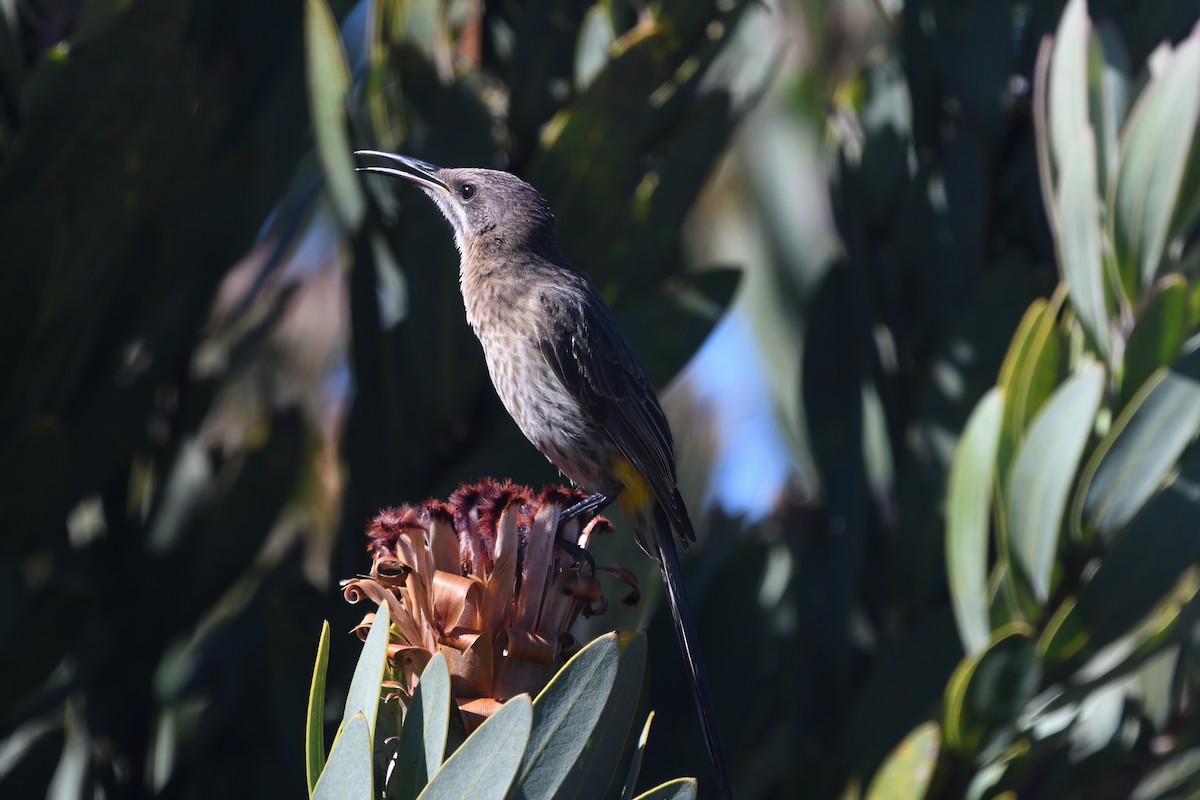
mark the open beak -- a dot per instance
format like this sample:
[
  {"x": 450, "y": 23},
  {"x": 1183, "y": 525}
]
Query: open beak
[{"x": 419, "y": 172}]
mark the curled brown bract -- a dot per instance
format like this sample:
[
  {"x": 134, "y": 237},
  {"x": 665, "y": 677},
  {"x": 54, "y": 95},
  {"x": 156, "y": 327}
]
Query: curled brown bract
[{"x": 488, "y": 579}]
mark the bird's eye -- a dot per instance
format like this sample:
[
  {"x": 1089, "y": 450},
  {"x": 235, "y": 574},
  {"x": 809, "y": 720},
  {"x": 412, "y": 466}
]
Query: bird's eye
[{"x": 466, "y": 191}]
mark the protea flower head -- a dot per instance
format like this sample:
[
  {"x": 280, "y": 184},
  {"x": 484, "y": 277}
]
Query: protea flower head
[{"x": 482, "y": 579}]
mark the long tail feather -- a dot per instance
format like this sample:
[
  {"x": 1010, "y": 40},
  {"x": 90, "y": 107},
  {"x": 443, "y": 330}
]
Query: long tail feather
[{"x": 689, "y": 642}]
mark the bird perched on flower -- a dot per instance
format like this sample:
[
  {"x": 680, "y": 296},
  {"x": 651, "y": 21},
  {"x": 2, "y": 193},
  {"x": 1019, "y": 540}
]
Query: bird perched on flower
[{"x": 565, "y": 372}]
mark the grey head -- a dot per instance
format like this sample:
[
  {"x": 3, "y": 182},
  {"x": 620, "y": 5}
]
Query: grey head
[{"x": 492, "y": 212}]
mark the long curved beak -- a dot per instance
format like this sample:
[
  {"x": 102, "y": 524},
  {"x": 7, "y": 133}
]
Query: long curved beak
[{"x": 419, "y": 172}]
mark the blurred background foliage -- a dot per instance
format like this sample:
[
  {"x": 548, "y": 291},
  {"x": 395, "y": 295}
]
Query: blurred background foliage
[{"x": 945, "y": 432}]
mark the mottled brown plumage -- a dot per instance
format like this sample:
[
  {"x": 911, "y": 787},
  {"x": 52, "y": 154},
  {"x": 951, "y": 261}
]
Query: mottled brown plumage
[{"x": 564, "y": 371}]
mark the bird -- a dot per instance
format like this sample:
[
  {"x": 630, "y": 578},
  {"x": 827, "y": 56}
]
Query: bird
[{"x": 566, "y": 374}]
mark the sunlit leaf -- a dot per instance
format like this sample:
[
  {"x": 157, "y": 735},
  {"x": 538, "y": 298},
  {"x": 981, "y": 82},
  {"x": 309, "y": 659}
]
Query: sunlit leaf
[
  {"x": 363, "y": 694},
  {"x": 1079, "y": 238},
  {"x": 1068, "y": 83},
  {"x": 565, "y": 714},
  {"x": 423, "y": 737},
  {"x": 1154, "y": 154},
  {"x": 678, "y": 789},
  {"x": 968, "y": 516},
  {"x": 314, "y": 743},
  {"x": 347, "y": 774},
  {"x": 1044, "y": 471},
  {"x": 484, "y": 766},
  {"x": 598, "y": 764},
  {"x": 1142, "y": 447},
  {"x": 908, "y": 771},
  {"x": 635, "y": 763}
]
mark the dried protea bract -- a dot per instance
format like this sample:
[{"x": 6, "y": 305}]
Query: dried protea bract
[{"x": 483, "y": 578}]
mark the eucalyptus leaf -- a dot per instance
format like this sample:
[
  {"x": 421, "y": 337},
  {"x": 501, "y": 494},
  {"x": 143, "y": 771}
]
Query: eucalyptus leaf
[
  {"x": 1157, "y": 335},
  {"x": 1158, "y": 138},
  {"x": 348, "y": 773},
  {"x": 968, "y": 514},
  {"x": 484, "y": 767},
  {"x": 1044, "y": 471},
  {"x": 423, "y": 737},
  {"x": 1079, "y": 239},
  {"x": 314, "y": 740},
  {"x": 1108, "y": 79},
  {"x": 1142, "y": 447},
  {"x": 1068, "y": 81}
]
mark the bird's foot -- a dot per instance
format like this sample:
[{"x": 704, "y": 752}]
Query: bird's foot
[{"x": 595, "y": 503}]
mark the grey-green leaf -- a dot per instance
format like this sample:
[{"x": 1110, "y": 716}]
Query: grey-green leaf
[
  {"x": 328, "y": 87},
  {"x": 1043, "y": 471},
  {"x": 1158, "y": 137},
  {"x": 423, "y": 737},
  {"x": 314, "y": 740},
  {"x": 363, "y": 694},
  {"x": 968, "y": 511},
  {"x": 1157, "y": 336},
  {"x": 596, "y": 768},
  {"x": 564, "y": 715},
  {"x": 1079, "y": 238},
  {"x": 1143, "y": 446},
  {"x": 635, "y": 761},
  {"x": 909, "y": 769},
  {"x": 347, "y": 775},
  {"x": 484, "y": 766},
  {"x": 1068, "y": 108},
  {"x": 1108, "y": 76},
  {"x": 678, "y": 789},
  {"x": 1134, "y": 577}
]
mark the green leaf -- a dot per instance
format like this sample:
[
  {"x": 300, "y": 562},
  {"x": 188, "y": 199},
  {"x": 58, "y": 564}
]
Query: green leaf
[
  {"x": 1158, "y": 138},
  {"x": 1140, "y": 571},
  {"x": 908, "y": 771},
  {"x": 1068, "y": 82},
  {"x": 484, "y": 766},
  {"x": 1108, "y": 82},
  {"x": 1044, "y": 470},
  {"x": 635, "y": 762},
  {"x": 987, "y": 692},
  {"x": 678, "y": 789},
  {"x": 423, "y": 737},
  {"x": 565, "y": 714},
  {"x": 328, "y": 87},
  {"x": 1028, "y": 376},
  {"x": 1157, "y": 335},
  {"x": 348, "y": 773},
  {"x": 1079, "y": 239},
  {"x": 1174, "y": 777},
  {"x": 598, "y": 765},
  {"x": 314, "y": 741},
  {"x": 363, "y": 695},
  {"x": 968, "y": 512},
  {"x": 1142, "y": 447}
]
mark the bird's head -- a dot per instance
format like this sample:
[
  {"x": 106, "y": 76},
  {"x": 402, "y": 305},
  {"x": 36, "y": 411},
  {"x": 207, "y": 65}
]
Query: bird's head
[{"x": 492, "y": 212}]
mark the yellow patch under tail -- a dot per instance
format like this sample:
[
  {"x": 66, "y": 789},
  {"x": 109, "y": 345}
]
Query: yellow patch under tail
[{"x": 636, "y": 495}]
